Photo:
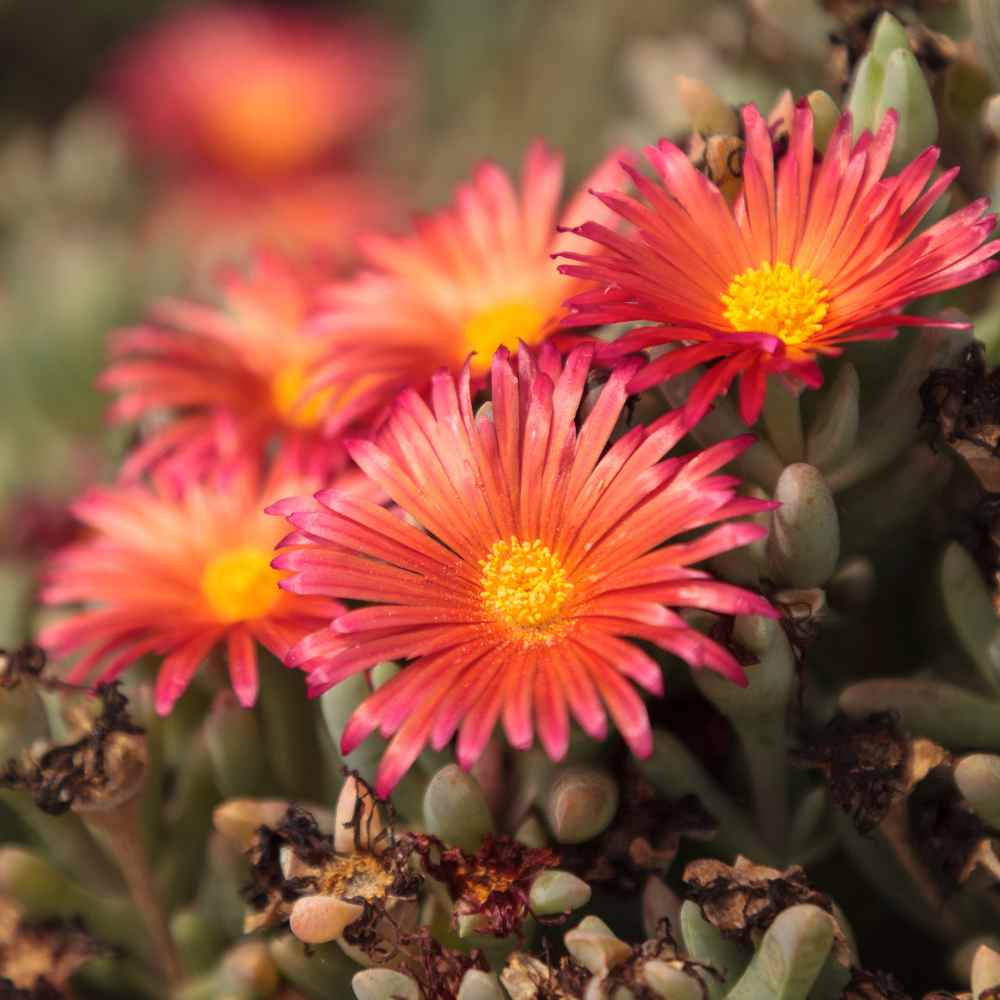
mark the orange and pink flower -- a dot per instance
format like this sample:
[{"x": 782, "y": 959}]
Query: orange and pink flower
[
  {"x": 811, "y": 256},
  {"x": 254, "y": 93},
  {"x": 532, "y": 552},
  {"x": 471, "y": 278},
  {"x": 234, "y": 378},
  {"x": 177, "y": 570},
  {"x": 314, "y": 217}
]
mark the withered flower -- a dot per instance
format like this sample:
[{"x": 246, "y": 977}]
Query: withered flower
[
  {"x": 528, "y": 978},
  {"x": 643, "y": 838},
  {"x": 744, "y": 898},
  {"x": 21, "y": 664},
  {"x": 493, "y": 885},
  {"x": 864, "y": 763},
  {"x": 347, "y": 884},
  {"x": 101, "y": 770},
  {"x": 438, "y": 970},
  {"x": 876, "y": 985},
  {"x": 37, "y": 958},
  {"x": 636, "y": 973},
  {"x": 965, "y": 404},
  {"x": 952, "y": 840}
]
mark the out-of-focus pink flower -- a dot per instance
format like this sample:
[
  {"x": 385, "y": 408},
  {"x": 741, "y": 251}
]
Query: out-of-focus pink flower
[
  {"x": 178, "y": 570},
  {"x": 534, "y": 551},
  {"x": 314, "y": 217},
  {"x": 470, "y": 278},
  {"x": 811, "y": 256},
  {"x": 233, "y": 378},
  {"x": 255, "y": 93}
]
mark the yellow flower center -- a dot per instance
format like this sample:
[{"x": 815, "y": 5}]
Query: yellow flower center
[
  {"x": 268, "y": 123},
  {"x": 240, "y": 584},
  {"x": 524, "y": 588},
  {"x": 287, "y": 387},
  {"x": 777, "y": 299},
  {"x": 502, "y": 325}
]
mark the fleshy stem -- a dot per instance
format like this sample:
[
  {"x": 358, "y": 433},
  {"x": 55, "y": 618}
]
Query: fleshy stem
[{"x": 118, "y": 828}]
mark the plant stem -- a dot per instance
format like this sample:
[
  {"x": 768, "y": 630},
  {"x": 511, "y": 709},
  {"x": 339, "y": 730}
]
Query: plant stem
[{"x": 119, "y": 828}]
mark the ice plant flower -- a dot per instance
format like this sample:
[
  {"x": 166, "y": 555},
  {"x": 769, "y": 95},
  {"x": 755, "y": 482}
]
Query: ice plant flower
[
  {"x": 811, "y": 256},
  {"x": 542, "y": 548},
  {"x": 179, "y": 570},
  {"x": 314, "y": 217},
  {"x": 254, "y": 93},
  {"x": 234, "y": 377},
  {"x": 471, "y": 278}
]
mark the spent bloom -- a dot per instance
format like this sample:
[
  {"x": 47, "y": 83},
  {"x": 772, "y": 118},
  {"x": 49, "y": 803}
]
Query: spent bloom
[
  {"x": 179, "y": 569},
  {"x": 234, "y": 376},
  {"x": 810, "y": 256},
  {"x": 543, "y": 547},
  {"x": 470, "y": 278},
  {"x": 252, "y": 93}
]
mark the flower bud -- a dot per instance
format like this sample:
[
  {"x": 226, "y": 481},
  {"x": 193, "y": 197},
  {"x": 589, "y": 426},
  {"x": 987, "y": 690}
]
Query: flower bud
[
  {"x": 479, "y": 985},
  {"x": 555, "y": 892},
  {"x": 580, "y": 804},
  {"x": 804, "y": 543},
  {"x": 384, "y": 984},
  {"x": 593, "y": 944},
  {"x": 969, "y": 607},
  {"x": 455, "y": 808},
  {"x": 834, "y": 429}
]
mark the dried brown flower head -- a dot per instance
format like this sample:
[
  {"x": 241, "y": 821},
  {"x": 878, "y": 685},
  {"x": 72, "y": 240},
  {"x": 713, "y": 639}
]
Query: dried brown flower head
[
  {"x": 950, "y": 838},
  {"x": 965, "y": 404},
  {"x": 101, "y": 770},
  {"x": 873, "y": 986},
  {"x": 493, "y": 884},
  {"x": 341, "y": 885},
  {"x": 37, "y": 958},
  {"x": 528, "y": 978},
  {"x": 743, "y": 898},
  {"x": 643, "y": 838},
  {"x": 21, "y": 664},
  {"x": 630, "y": 974},
  {"x": 864, "y": 763},
  {"x": 438, "y": 970}
]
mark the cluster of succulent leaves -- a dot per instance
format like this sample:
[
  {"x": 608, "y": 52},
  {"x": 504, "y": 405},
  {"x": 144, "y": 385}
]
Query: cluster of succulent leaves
[{"x": 791, "y": 840}]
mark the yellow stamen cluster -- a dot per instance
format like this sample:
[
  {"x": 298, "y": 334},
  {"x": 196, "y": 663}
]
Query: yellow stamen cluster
[
  {"x": 777, "y": 299},
  {"x": 524, "y": 586},
  {"x": 287, "y": 388},
  {"x": 240, "y": 585},
  {"x": 358, "y": 874},
  {"x": 502, "y": 325}
]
